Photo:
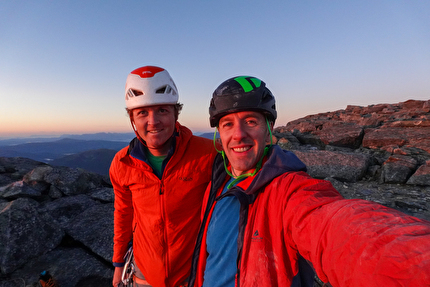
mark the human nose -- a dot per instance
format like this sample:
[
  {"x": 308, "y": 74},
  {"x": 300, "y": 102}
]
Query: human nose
[
  {"x": 239, "y": 132},
  {"x": 153, "y": 118}
]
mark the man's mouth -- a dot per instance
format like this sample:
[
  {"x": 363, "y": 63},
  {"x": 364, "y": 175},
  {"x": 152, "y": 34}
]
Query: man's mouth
[
  {"x": 241, "y": 149},
  {"x": 154, "y": 131}
]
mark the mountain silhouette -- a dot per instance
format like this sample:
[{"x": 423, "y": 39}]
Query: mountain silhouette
[
  {"x": 97, "y": 161},
  {"x": 49, "y": 151}
]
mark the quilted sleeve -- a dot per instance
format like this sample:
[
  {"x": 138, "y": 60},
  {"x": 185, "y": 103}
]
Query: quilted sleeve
[{"x": 355, "y": 242}]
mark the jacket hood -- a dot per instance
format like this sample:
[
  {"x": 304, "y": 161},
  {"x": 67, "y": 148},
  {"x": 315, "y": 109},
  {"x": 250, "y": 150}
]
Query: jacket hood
[
  {"x": 181, "y": 134},
  {"x": 278, "y": 162}
]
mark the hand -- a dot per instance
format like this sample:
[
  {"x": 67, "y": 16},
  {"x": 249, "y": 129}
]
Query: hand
[{"x": 117, "y": 276}]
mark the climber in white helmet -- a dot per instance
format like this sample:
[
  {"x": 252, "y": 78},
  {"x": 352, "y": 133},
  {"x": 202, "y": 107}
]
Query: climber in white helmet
[{"x": 159, "y": 182}]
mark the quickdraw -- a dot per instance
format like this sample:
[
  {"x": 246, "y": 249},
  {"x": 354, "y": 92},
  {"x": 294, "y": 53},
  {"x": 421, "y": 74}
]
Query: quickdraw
[{"x": 128, "y": 272}]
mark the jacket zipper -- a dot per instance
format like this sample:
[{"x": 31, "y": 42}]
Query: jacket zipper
[{"x": 163, "y": 212}]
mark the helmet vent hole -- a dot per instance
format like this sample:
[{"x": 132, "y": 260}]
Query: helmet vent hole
[
  {"x": 266, "y": 97},
  {"x": 133, "y": 93},
  {"x": 165, "y": 90},
  {"x": 161, "y": 90}
]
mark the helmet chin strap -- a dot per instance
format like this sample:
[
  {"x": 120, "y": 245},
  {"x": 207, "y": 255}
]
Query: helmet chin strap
[
  {"x": 136, "y": 133},
  {"x": 257, "y": 166}
]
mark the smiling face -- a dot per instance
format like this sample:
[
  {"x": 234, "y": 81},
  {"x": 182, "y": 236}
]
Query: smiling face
[
  {"x": 155, "y": 125},
  {"x": 244, "y": 136}
]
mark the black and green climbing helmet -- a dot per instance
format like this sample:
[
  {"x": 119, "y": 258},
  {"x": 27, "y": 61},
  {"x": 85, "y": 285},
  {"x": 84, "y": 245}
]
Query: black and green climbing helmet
[{"x": 241, "y": 93}]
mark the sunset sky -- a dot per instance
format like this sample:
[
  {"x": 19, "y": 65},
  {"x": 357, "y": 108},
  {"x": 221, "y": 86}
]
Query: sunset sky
[{"x": 63, "y": 64}]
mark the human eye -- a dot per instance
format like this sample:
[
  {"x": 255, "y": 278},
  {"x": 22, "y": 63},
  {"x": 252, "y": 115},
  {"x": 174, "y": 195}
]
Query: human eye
[
  {"x": 225, "y": 125},
  {"x": 251, "y": 122},
  {"x": 142, "y": 113}
]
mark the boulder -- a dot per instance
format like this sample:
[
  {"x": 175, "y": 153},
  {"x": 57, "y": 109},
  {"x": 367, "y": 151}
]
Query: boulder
[
  {"x": 103, "y": 194},
  {"x": 94, "y": 228},
  {"x": 375, "y": 138},
  {"x": 398, "y": 168},
  {"x": 16, "y": 167},
  {"x": 25, "y": 233},
  {"x": 66, "y": 209},
  {"x": 421, "y": 176},
  {"x": 19, "y": 189},
  {"x": 340, "y": 165},
  {"x": 342, "y": 135},
  {"x": 397, "y": 136},
  {"x": 73, "y": 181}
]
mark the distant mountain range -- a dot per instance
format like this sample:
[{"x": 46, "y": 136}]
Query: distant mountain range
[
  {"x": 96, "y": 160},
  {"x": 122, "y": 137},
  {"x": 48, "y": 151},
  {"x": 92, "y": 152}
]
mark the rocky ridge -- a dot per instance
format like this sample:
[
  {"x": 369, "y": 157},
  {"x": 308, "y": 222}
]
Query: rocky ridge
[
  {"x": 58, "y": 219},
  {"x": 379, "y": 152},
  {"x": 61, "y": 219}
]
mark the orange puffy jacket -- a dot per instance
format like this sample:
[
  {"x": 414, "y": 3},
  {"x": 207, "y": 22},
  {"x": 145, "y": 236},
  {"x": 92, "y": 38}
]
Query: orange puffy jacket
[{"x": 161, "y": 216}]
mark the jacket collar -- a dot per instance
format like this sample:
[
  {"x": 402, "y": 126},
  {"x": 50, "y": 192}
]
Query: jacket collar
[
  {"x": 278, "y": 162},
  {"x": 182, "y": 136}
]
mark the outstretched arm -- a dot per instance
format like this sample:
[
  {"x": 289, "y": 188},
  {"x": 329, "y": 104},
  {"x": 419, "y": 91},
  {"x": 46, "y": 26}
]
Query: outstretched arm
[{"x": 357, "y": 242}]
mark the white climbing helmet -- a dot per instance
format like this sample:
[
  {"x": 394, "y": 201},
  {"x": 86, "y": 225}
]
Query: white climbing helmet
[{"x": 149, "y": 86}]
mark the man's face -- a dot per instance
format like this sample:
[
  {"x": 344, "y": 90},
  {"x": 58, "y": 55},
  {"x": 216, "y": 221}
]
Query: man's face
[
  {"x": 155, "y": 126},
  {"x": 244, "y": 136}
]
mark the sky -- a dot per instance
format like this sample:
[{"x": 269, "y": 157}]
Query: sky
[{"x": 63, "y": 64}]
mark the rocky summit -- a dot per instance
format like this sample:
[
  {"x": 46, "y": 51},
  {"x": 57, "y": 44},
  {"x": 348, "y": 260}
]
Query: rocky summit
[
  {"x": 379, "y": 152},
  {"x": 60, "y": 219},
  {"x": 57, "y": 219}
]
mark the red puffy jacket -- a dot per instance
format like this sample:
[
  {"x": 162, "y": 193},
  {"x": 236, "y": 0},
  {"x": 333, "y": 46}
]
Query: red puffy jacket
[
  {"x": 161, "y": 216},
  {"x": 292, "y": 225}
]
